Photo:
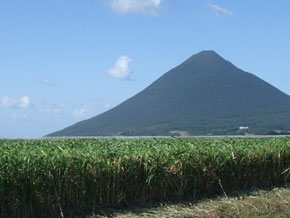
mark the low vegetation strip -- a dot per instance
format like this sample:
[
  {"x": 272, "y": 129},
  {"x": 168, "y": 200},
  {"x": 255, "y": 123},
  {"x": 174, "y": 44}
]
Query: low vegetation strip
[
  {"x": 257, "y": 203},
  {"x": 75, "y": 177}
]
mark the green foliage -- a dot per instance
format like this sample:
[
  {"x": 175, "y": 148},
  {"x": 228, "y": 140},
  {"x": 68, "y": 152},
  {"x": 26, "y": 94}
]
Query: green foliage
[
  {"x": 56, "y": 176},
  {"x": 204, "y": 95}
]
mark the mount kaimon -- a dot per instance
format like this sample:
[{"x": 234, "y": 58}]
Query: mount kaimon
[{"x": 205, "y": 95}]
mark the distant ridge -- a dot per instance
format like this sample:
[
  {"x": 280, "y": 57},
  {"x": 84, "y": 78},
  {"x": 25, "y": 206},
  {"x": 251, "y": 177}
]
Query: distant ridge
[{"x": 205, "y": 95}]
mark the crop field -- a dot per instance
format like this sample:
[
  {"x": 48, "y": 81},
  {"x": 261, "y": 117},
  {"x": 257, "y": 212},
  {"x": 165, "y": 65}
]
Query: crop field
[{"x": 74, "y": 177}]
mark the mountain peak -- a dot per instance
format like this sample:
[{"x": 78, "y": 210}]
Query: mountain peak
[
  {"x": 208, "y": 54},
  {"x": 206, "y": 58}
]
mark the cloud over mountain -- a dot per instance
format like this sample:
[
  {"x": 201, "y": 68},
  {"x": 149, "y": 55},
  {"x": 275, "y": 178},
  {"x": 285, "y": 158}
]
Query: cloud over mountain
[{"x": 81, "y": 113}]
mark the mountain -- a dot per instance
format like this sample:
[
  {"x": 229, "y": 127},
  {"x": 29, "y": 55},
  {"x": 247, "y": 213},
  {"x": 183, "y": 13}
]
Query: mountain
[{"x": 205, "y": 95}]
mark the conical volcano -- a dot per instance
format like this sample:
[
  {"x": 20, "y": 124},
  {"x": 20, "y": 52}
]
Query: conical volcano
[{"x": 205, "y": 95}]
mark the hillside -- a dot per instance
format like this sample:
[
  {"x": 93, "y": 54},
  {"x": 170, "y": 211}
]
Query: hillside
[{"x": 205, "y": 95}]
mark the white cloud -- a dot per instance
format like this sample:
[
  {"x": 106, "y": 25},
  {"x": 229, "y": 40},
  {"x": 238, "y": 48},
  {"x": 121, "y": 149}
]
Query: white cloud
[
  {"x": 51, "y": 107},
  {"x": 23, "y": 102},
  {"x": 149, "y": 7},
  {"x": 121, "y": 70},
  {"x": 8, "y": 102},
  {"x": 107, "y": 105},
  {"x": 81, "y": 113},
  {"x": 219, "y": 11},
  {"x": 46, "y": 82},
  {"x": 51, "y": 110}
]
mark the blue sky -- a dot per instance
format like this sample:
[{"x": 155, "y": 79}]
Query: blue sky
[{"x": 62, "y": 61}]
